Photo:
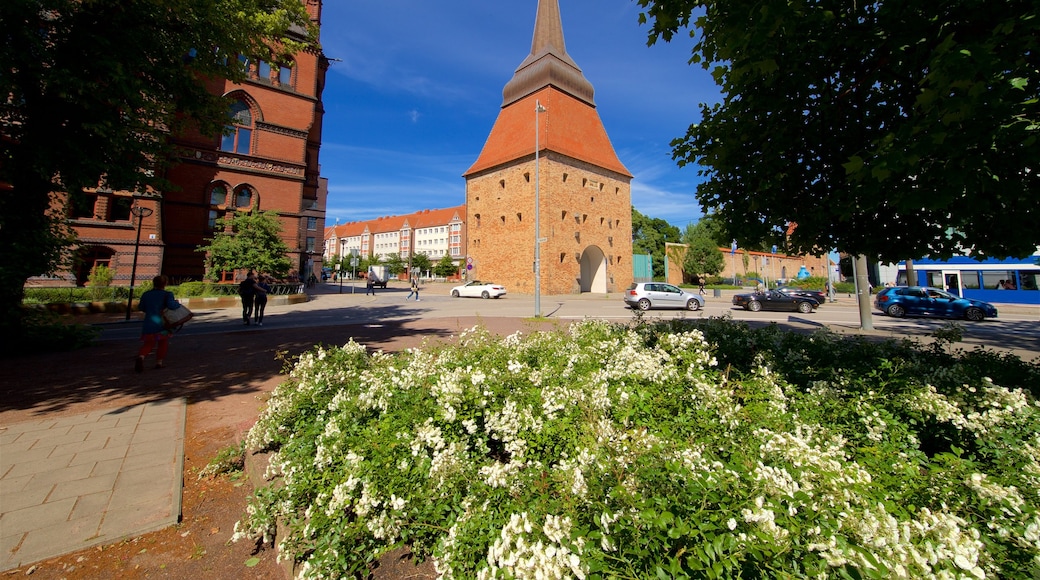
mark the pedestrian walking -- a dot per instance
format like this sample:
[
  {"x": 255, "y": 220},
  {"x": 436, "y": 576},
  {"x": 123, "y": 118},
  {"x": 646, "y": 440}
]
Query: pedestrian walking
[
  {"x": 263, "y": 287},
  {"x": 154, "y": 333},
  {"x": 247, "y": 291},
  {"x": 415, "y": 289},
  {"x": 370, "y": 287}
]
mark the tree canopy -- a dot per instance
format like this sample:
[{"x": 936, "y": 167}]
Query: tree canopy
[
  {"x": 446, "y": 267},
  {"x": 90, "y": 93},
  {"x": 253, "y": 242},
  {"x": 883, "y": 128},
  {"x": 702, "y": 256}
]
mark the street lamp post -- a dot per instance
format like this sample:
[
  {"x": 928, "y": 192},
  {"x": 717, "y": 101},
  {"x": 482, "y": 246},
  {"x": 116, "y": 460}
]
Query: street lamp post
[
  {"x": 141, "y": 213},
  {"x": 538, "y": 109}
]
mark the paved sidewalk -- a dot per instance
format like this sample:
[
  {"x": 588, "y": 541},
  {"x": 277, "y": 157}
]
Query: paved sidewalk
[{"x": 67, "y": 483}]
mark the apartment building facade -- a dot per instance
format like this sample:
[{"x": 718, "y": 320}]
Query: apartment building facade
[{"x": 434, "y": 233}]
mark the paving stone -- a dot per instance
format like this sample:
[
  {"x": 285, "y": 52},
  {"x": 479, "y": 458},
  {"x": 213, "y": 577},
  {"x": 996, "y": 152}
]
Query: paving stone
[
  {"x": 12, "y": 485},
  {"x": 28, "y": 496},
  {"x": 8, "y": 543},
  {"x": 31, "y": 467},
  {"x": 34, "y": 426},
  {"x": 110, "y": 475},
  {"x": 77, "y": 534},
  {"x": 91, "y": 505},
  {"x": 65, "y": 474},
  {"x": 154, "y": 461},
  {"x": 37, "y": 516},
  {"x": 59, "y": 439},
  {"x": 98, "y": 455},
  {"x": 69, "y": 449},
  {"x": 83, "y": 487},
  {"x": 101, "y": 425},
  {"x": 106, "y": 467}
]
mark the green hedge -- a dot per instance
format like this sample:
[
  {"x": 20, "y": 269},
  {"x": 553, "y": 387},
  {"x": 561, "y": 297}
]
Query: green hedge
[{"x": 70, "y": 295}]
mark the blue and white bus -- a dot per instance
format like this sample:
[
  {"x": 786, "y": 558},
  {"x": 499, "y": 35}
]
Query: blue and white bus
[{"x": 1009, "y": 281}]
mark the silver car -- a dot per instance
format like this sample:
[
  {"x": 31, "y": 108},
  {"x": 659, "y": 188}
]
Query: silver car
[{"x": 647, "y": 295}]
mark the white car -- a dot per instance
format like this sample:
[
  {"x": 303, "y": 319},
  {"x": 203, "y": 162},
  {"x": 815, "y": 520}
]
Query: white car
[{"x": 475, "y": 288}]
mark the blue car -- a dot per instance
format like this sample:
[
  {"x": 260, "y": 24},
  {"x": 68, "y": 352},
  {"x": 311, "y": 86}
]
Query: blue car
[{"x": 900, "y": 301}]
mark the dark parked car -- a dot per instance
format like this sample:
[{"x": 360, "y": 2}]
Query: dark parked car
[
  {"x": 814, "y": 294},
  {"x": 647, "y": 295},
  {"x": 774, "y": 300},
  {"x": 902, "y": 301}
]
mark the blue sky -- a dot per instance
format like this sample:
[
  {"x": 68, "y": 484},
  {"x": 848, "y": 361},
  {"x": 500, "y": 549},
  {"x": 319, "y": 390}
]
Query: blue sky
[{"x": 418, "y": 86}]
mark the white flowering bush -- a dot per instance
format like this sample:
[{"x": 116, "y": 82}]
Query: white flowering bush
[{"x": 664, "y": 450}]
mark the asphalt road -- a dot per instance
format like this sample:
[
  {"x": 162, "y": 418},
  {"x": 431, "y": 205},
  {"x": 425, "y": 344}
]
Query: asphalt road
[{"x": 1016, "y": 329}]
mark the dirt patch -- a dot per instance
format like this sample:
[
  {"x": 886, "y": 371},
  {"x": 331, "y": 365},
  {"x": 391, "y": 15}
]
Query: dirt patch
[{"x": 225, "y": 378}]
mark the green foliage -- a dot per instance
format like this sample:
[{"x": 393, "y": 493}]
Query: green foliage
[
  {"x": 702, "y": 256},
  {"x": 810, "y": 283},
  {"x": 99, "y": 280},
  {"x": 44, "y": 331},
  {"x": 90, "y": 96},
  {"x": 446, "y": 267},
  {"x": 254, "y": 242},
  {"x": 229, "y": 460},
  {"x": 395, "y": 264},
  {"x": 649, "y": 236},
  {"x": 679, "y": 449},
  {"x": 885, "y": 129},
  {"x": 189, "y": 289},
  {"x": 421, "y": 263}
]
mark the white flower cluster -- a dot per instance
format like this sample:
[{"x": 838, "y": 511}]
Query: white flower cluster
[
  {"x": 874, "y": 425},
  {"x": 1030, "y": 451},
  {"x": 514, "y": 555},
  {"x": 996, "y": 406},
  {"x": 1010, "y": 501},
  {"x": 507, "y": 423},
  {"x": 766, "y": 520},
  {"x": 499, "y": 474},
  {"x": 634, "y": 361},
  {"x": 576, "y": 424}
]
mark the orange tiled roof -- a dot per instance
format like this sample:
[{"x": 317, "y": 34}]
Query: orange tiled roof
[{"x": 569, "y": 127}]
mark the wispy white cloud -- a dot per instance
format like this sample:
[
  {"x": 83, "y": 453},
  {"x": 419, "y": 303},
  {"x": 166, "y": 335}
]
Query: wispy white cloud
[{"x": 418, "y": 88}]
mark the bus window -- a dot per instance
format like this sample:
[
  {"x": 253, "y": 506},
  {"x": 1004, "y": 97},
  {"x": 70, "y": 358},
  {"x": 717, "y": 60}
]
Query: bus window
[
  {"x": 1030, "y": 279},
  {"x": 970, "y": 279},
  {"x": 992, "y": 279}
]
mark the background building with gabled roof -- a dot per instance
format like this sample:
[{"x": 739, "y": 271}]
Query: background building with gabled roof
[{"x": 549, "y": 143}]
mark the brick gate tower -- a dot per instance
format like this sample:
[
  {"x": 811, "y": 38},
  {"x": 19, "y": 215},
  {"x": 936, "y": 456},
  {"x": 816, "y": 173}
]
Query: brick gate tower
[{"x": 549, "y": 143}]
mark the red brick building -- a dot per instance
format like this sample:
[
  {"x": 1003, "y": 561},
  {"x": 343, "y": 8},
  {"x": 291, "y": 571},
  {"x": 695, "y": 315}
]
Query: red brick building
[
  {"x": 269, "y": 162},
  {"x": 584, "y": 213}
]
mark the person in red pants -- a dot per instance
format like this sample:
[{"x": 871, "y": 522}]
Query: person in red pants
[{"x": 154, "y": 331}]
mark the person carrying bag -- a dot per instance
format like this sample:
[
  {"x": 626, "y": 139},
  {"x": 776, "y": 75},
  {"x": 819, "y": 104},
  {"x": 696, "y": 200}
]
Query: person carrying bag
[{"x": 154, "y": 331}]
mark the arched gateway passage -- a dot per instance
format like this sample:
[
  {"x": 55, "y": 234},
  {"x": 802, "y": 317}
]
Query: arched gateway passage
[{"x": 593, "y": 270}]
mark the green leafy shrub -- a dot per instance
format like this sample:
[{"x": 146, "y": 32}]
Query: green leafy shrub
[
  {"x": 845, "y": 287},
  {"x": 68, "y": 295},
  {"x": 667, "y": 450},
  {"x": 44, "y": 331},
  {"x": 99, "y": 280},
  {"x": 189, "y": 289}
]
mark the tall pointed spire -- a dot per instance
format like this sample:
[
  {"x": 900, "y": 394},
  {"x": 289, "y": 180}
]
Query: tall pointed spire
[{"x": 548, "y": 63}]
